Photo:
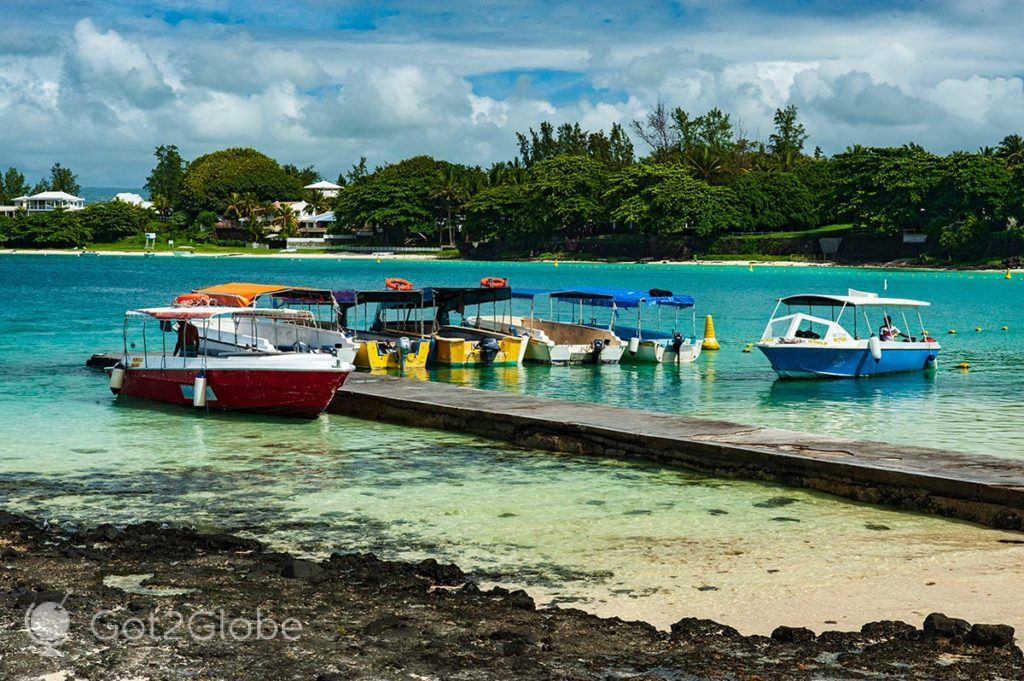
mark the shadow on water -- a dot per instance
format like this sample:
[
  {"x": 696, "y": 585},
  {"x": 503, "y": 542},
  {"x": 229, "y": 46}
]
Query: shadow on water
[{"x": 899, "y": 387}]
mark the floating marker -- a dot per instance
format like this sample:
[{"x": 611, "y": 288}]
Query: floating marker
[
  {"x": 556, "y": 263},
  {"x": 750, "y": 267},
  {"x": 977, "y": 328},
  {"x": 951, "y": 331},
  {"x": 710, "y": 342},
  {"x": 1006, "y": 328},
  {"x": 885, "y": 284},
  {"x": 1008, "y": 275}
]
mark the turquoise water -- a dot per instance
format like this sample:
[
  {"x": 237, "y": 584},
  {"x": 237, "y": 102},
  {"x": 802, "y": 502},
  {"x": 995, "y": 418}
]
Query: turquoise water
[
  {"x": 64, "y": 308},
  {"x": 615, "y": 537}
]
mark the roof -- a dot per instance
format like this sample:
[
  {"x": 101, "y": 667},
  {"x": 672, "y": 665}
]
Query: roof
[
  {"x": 322, "y": 184},
  {"x": 241, "y": 294},
  {"x": 323, "y": 217},
  {"x": 615, "y": 297},
  {"x": 206, "y": 312},
  {"x": 350, "y": 297},
  {"x": 50, "y": 196},
  {"x": 457, "y": 298},
  {"x": 852, "y": 298}
]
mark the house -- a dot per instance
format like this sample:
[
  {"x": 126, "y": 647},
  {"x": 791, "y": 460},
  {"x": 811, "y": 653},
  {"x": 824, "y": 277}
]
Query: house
[
  {"x": 316, "y": 225},
  {"x": 328, "y": 189},
  {"x": 47, "y": 201},
  {"x": 8, "y": 211},
  {"x": 133, "y": 199}
]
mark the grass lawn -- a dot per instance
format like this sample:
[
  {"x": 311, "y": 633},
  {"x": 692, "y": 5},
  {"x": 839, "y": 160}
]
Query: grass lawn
[{"x": 823, "y": 231}]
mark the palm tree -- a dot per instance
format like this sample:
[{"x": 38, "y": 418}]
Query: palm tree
[
  {"x": 1012, "y": 149},
  {"x": 286, "y": 221},
  {"x": 451, "y": 193},
  {"x": 234, "y": 206},
  {"x": 317, "y": 202},
  {"x": 161, "y": 205}
]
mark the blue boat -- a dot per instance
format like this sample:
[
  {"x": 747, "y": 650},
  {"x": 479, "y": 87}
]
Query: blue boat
[
  {"x": 644, "y": 344},
  {"x": 815, "y": 344}
]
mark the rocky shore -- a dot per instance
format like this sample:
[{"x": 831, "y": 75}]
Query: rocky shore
[{"x": 151, "y": 601}]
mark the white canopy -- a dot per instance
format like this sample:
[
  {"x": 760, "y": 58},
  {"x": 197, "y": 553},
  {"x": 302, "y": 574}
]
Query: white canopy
[
  {"x": 208, "y": 311},
  {"x": 853, "y": 299}
]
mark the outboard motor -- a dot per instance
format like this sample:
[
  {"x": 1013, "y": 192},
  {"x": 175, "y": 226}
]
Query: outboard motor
[
  {"x": 598, "y": 347},
  {"x": 677, "y": 342},
  {"x": 489, "y": 349},
  {"x": 404, "y": 345}
]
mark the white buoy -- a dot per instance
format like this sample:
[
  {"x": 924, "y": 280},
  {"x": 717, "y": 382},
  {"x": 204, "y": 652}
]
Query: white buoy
[
  {"x": 875, "y": 346},
  {"x": 634, "y": 345},
  {"x": 199, "y": 390},
  {"x": 117, "y": 378}
]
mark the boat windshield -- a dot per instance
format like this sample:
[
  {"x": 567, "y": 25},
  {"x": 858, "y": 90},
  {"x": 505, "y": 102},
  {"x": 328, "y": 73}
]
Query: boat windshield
[{"x": 858, "y": 314}]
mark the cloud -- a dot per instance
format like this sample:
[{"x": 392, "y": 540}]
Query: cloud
[{"x": 321, "y": 83}]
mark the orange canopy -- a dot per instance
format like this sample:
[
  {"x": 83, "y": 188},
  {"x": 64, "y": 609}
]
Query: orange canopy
[{"x": 238, "y": 294}]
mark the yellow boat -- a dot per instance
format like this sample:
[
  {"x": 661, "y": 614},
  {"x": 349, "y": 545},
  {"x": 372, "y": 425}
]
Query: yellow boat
[
  {"x": 382, "y": 347},
  {"x": 381, "y": 355}
]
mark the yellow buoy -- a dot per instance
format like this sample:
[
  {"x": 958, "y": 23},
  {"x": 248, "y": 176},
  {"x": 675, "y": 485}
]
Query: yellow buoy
[
  {"x": 951, "y": 331},
  {"x": 963, "y": 366},
  {"x": 750, "y": 267},
  {"x": 1008, "y": 275},
  {"x": 1006, "y": 328},
  {"x": 710, "y": 342},
  {"x": 556, "y": 263},
  {"x": 977, "y": 328},
  {"x": 378, "y": 258}
]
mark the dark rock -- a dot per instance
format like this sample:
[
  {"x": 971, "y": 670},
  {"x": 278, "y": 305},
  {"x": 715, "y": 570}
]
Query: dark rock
[
  {"x": 876, "y": 527},
  {"x": 994, "y": 635},
  {"x": 46, "y": 596},
  {"x": 775, "y": 502},
  {"x": 332, "y": 676},
  {"x": 386, "y": 625},
  {"x": 519, "y": 599},
  {"x": 1008, "y": 520},
  {"x": 690, "y": 628},
  {"x": 514, "y": 648},
  {"x": 300, "y": 568},
  {"x": 106, "y": 532},
  {"x": 889, "y": 630},
  {"x": 447, "y": 574},
  {"x": 793, "y": 635},
  {"x": 139, "y": 607},
  {"x": 707, "y": 588},
  {"x": 469, "y": 588},
  {"x": 937, "y": 625}
]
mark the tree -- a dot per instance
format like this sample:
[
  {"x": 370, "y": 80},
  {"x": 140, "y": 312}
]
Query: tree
[
  {"x": 303, "y": 176},
  {"x": 771, "y": 201},
  {"x": 286, "y": 221},
  {"x": 789, "y": 137},
  {"x": 13, "y": 185},
  {"x": 357, "y": 172},
  {"x": 165, "y": 178},
  {"x": 63, "y": 180},
  {"x": 113, "y": 220},
  {"x": 1011, "y": 148},
  {"x": 162, "y": 205},
  {"x": 211, "y": 178},
  {"x": 451, "y": 192},
  {"x": 660, "y": 132},
  {"x": 317, "y": 202},
  {"x": 566, "y": 194}
]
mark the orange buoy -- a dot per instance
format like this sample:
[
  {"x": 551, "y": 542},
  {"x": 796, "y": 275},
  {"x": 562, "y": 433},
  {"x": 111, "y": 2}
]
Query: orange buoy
[
  {"x": 396, "y": 284},
  {"x": 494, "y": 282}
]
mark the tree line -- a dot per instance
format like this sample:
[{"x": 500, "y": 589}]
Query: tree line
[{"x": 697, "y": 176}]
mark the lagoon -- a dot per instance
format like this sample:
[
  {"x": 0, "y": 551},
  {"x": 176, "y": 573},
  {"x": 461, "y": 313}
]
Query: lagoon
[{"x": 615, "y": 537}]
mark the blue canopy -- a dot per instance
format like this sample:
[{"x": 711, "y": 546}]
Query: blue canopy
[{"x": 624, "y": 298}]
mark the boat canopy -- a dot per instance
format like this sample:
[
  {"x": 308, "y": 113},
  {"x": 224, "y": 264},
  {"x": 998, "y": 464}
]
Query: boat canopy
[
  {"x": 346, "y": 298},
  {"x": 239, "y": 294},
  {"x": 624, "y": 298},
  {"x": 448, "y": 299},
  {"x": 208, "y": 312},
  {"x": 852, "y": 298}
]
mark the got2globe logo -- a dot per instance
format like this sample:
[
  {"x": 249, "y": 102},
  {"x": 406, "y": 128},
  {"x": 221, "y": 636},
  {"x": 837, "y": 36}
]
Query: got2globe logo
[{"x": 47, "y": 623}]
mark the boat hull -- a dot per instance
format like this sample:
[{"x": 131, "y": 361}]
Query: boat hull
[
  {"x": 806, "y": 361},
  {"x": 298, "y": 393},
  {"x": 663, "y": 352},
  {"x": 376, "y": 355}
]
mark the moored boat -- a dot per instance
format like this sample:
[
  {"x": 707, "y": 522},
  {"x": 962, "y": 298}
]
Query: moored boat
[
  {"x": 379, "y": 349},
  {"x": 808, "y": 345},
  {"x": 196, "y": 374},
  {"x": 552, "y": 340}
]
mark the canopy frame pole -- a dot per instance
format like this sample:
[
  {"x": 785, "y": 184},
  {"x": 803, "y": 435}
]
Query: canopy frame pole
[{"x": 903, "y": 314}]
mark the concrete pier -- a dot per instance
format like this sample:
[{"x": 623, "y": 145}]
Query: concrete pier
[{"x": 982, "y": 489}]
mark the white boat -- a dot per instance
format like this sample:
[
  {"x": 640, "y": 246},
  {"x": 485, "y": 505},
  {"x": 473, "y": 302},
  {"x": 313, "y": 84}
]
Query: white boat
[
  {"x": 319, "y": 331},
  {"x": 184, "y": 252},
  {"x": 807, "y": 345},
  {"x": 645, "y": 345},
  {"x": 553, "y": 341},
  {"x": 195, "y": 373}
]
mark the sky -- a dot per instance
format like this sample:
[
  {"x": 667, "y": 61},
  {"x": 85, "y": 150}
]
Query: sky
[{"x": 97, "y": 85}]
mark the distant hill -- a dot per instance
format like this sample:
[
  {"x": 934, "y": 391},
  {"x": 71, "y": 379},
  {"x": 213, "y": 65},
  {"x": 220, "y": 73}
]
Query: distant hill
[{"x": 99, "y": 194}]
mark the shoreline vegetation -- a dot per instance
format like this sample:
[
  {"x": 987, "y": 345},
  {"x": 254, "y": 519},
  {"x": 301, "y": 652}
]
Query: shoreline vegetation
[
  {"x": 698, "y": 189},
  {"x": 126, "y": 591}
]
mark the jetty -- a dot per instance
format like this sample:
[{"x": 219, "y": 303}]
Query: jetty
[{"x": 983, "y": 489}]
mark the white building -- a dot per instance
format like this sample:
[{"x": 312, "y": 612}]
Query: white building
[
  {"x": 47, "y": 201},
  {"x": 316, "y": 225},
  {"x": 328, "y": 189},
  {"x": 133, "y": 199}
]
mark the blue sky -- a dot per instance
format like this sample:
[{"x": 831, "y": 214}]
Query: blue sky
[{"x": 97, "y": 85}]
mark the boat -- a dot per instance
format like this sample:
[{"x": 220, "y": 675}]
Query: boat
[
  {"x": 195, "y": 373},
  {"x": 452, "y": 344},
  {"x": 381, "y": 349},
  {"x": 184, "y": 251},
  {"x": 645, "y": 345},
  {"x": 803, "y": 344},
  {"x": 552, "y": 340},
  {"x": 321, "y": 332}
]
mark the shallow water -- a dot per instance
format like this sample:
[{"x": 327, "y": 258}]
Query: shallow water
[{"x": 615, "y": 537}]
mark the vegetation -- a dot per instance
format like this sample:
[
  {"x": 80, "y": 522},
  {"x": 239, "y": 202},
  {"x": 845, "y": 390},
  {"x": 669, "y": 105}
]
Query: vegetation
[{"x": 699, "y": 180}]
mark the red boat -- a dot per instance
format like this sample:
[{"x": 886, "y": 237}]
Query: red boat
[{"x": 289, "y": 384}]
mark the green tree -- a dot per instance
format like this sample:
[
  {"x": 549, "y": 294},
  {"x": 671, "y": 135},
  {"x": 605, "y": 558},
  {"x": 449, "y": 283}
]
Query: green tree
[
  {"x": 211, "y": 178},
  {"x": 1011, "y": 148},
  {"x": 303, "y": 176},
  {"x": 286, "y": 221},
  {"x": 772, "y": 201},
  {"x": 566, "y": 194},
  {"x": 113, "y": 220},
  {"x": 165, "y": 178},
  {"x": 13, "y": 185},
  {"x": 787, "y": 142},
  {"x": 63, "y": 180}
]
